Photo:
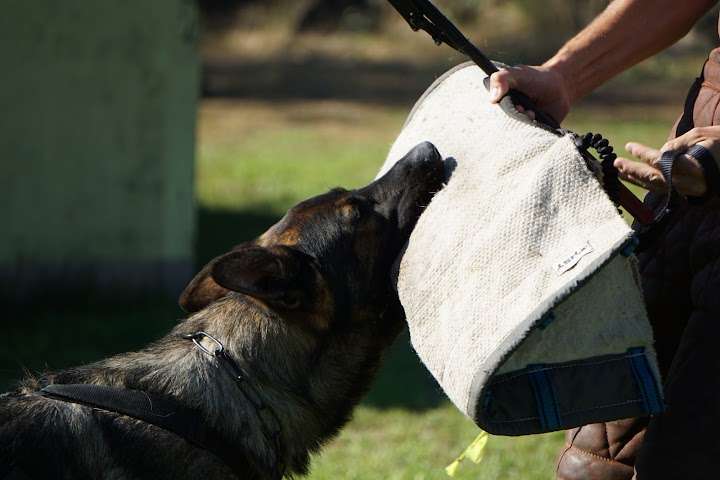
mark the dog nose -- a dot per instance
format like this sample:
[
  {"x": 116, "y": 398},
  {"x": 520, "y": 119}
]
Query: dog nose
[
  {"x": 419, "y": 170},
  {"x": 423, "y": 153}
]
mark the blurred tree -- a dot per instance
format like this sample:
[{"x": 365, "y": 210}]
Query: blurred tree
[
  {"x": 582, "y": 12},
  {"x": 566, "y": 15},
  {"x": 331, "y": 15},
  {"x": 464, "y": 11},
  {"x": 548, "y": 24},
  {"x": 221, "y": 13},
  {"x": 707, "y": 28}
]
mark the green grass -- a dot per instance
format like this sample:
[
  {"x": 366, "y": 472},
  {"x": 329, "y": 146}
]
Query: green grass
[
  {"x": 278, "y": 168},
  {"x": 285, "y": 158},
  {"x": 402, "y": 444},
  {"x": 255, "y": 160}
]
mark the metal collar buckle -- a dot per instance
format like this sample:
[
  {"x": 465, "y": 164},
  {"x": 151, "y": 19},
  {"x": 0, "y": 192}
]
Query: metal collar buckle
[{"x": 197, "y": 338}]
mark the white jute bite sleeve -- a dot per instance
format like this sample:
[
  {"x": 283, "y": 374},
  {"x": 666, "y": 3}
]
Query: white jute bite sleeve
[{"x": 519, "y": 285}]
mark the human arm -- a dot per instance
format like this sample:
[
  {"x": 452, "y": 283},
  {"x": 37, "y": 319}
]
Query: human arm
[{"x": 627, "y": 32}]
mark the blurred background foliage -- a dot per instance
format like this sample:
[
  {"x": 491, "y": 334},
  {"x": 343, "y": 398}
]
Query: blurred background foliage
[
  {"x": 503, "y": 23},
  {"x": 363, "y": 50},
  {"x": 299, "y": 96}
]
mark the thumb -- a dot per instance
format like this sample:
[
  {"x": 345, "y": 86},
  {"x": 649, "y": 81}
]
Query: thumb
[{"x": 500, "y": 83}]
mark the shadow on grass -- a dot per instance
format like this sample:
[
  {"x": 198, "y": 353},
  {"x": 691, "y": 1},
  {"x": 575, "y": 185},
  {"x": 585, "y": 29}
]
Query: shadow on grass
[
  {"x": 321, "y": 77},
  {"x": 64, "y": 331},
  {"x": 403, "y": 382},
  {"x": 400, "y": 82}
]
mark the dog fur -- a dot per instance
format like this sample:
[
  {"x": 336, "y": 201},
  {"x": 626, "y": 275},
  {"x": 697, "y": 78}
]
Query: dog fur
[{"x": 306, "y": 310}]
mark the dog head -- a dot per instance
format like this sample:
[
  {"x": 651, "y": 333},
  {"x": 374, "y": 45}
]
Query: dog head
[{"x": 330, "y": 257}]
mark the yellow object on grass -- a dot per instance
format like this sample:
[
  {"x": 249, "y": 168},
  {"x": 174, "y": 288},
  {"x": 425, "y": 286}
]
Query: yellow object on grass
[{"x": 474, "y": 452}]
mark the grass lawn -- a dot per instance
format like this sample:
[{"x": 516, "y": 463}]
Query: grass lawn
[{"x": 255, "y": 159}]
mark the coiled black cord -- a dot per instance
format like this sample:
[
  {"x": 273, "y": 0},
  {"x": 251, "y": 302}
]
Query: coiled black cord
[{"x": 611, "y": 182}]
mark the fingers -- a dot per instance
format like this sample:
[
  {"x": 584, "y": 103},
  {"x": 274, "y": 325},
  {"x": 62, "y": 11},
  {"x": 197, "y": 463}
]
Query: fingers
[
  {"x": 545, "y": 86},
  {"x": 713, "y": 145},
  {"x": 640, "y": 174},
  {"x": 689, "y": 176},
  {"x": 706, "y": 136},
  {"x": 687, "y": 165},
  {"x": 643, "y": 152},
  {"x": 683, "y": 142},
  {"x": 500, "y": 83},
  {"x": 529, "y": 113}
]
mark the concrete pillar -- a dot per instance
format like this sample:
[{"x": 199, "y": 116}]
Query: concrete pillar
[{"x": 97, "y": 122}]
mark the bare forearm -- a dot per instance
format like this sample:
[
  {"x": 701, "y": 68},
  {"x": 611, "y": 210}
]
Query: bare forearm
[{"x": 627, "y": 32}]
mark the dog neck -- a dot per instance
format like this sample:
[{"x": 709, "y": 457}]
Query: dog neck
[{"x": 310, "y": 382}]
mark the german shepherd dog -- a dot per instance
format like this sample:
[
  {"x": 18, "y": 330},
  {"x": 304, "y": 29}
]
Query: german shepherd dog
[{"x": 301, "y": 317}]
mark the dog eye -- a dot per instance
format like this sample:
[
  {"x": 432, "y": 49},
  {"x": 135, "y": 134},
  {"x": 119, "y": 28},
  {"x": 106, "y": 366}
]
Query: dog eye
[
  {"x": 354, "y": 207},
  {"x": 350, "y": 212}
]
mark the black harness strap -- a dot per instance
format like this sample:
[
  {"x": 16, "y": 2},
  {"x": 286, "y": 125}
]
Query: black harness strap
[{"x": 159, "y": 411}]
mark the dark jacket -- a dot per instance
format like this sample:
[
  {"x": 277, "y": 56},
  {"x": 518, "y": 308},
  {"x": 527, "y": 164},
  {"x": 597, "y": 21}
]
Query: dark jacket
[{"x": 680, "y": 267}]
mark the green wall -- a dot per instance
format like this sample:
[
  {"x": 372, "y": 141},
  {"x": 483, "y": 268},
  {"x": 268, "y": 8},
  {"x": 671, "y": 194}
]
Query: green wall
[{"x": 97, "y": 119}]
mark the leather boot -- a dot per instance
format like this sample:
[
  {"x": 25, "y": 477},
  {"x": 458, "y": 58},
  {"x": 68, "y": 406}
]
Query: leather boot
[{"x": 601, "y": 451}]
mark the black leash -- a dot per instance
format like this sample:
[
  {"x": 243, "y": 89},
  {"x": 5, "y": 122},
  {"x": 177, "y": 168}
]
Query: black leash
[
  {"x": 607, "y": 155},
  {"x": 423, "y": 15}
]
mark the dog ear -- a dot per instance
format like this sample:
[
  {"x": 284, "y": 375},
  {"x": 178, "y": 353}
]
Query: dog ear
[
  {"x": 277, "y": 275},
  {"x": 201, "y": 291}
]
